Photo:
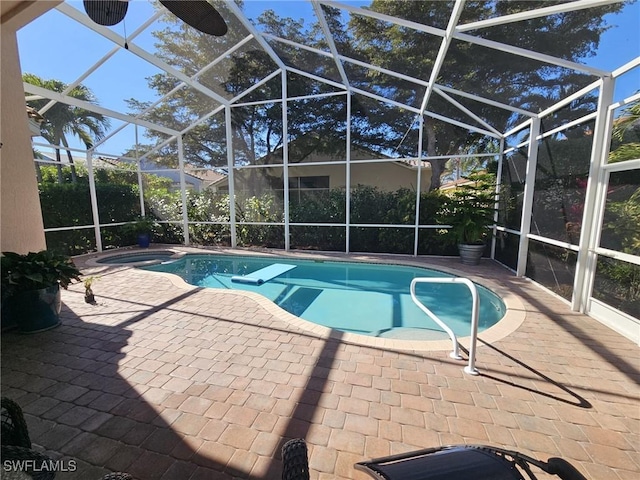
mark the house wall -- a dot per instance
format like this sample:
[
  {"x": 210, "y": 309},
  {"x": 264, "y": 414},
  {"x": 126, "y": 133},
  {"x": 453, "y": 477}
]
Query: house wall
[
  {"x": 19, "y": 189},
  {"x": 386, "y": 176},
  {"x": 21, "y": 226}
]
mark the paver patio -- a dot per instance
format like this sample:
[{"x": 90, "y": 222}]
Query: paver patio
[{"x": 172, "y": 382}]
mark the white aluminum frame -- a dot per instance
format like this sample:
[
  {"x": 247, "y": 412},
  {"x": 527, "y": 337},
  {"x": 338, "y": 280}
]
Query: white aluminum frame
[{"x": 588, "y": 248}]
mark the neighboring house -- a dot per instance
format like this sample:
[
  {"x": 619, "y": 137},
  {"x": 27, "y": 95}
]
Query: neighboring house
[
  {"x": 196, "y": 180},
  {"x": 49, "y": 157},
  {"x": 454, "y": 184},
  {"x": 305, "y": 176},
  {"x": 208, "y": 178}
]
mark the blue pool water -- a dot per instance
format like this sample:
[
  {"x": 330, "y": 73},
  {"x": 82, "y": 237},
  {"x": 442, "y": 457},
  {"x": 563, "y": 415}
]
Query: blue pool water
[{"x": 363, "y": 298}]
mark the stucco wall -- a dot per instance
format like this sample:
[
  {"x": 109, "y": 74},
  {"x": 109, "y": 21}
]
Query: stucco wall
[
  {"x": 385, "y": 176},
  {"x": 21, "y": 226}
]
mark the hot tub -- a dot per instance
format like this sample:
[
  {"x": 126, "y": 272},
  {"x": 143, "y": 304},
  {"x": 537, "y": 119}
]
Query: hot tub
[{"x": 138, "y": 258}]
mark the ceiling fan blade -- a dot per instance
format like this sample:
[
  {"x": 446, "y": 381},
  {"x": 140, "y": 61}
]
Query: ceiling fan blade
[
  {"x": 199, "y": 14},
  {"x": 106, "y": 12}
]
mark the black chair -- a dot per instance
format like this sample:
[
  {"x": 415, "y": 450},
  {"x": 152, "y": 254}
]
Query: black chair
[
  {"x": 462, "y": 462},
  {"x": 455, "y": 462},
  {"x": 19, "y": 461},
  {"x": 13, "y": 427},
  {"x": 295, "y": 462},
  {"x": 16, "y": 447}
]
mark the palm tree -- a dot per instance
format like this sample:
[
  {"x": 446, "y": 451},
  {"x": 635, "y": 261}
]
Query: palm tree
[
  {"x": 460, "y": 167},
  {"x": 62, "y": 119},
  {"x": 626, "y": 134}
]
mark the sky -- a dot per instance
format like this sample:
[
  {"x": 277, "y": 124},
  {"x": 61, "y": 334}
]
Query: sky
[{"x": 41, "y": 54}]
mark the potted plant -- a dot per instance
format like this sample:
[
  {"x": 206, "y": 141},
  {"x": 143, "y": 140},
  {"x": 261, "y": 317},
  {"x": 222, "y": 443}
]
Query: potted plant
[
  {"x": 31, "y": 284},
  {"x": 469, "y": 211},
  {"x": 89, "y": 297},
  {"x": 141, "y": 228}
]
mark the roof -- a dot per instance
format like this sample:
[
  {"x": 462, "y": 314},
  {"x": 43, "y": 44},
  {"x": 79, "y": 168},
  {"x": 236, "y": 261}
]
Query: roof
[{"x": 325, "y": 54}]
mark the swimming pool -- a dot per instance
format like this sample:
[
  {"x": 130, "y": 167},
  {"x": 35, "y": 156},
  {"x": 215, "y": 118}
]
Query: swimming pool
[{"x": 363, "y": 298}]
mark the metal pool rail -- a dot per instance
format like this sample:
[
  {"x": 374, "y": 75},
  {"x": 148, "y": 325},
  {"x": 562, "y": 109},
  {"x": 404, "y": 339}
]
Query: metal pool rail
[{"x": 471, "y": 368}]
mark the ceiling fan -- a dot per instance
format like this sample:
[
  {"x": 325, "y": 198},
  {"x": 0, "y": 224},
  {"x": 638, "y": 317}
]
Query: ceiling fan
[{"x": 199, "y": 14}]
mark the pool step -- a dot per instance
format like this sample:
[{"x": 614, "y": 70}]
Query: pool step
[
  {"x": 264, "y": 274},
  {"x": 411, "y": 333}
]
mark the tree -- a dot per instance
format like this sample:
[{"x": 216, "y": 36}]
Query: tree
[
  {"x": 62, "y": 119},
  {"x": 626, "y": 134},
  {"x": 319, "y": 124},
  {"x": 256, "y": 129},
  {"x": 479, "y": 70},
  {"x": 189, "y": 51}
]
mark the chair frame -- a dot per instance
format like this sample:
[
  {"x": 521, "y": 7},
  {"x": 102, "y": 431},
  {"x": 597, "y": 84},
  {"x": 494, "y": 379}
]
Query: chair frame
[
  {"x": 14, "y": 426},
  {"x": 554, "y": 466}
]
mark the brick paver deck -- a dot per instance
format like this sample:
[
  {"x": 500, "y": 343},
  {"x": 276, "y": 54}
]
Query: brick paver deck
[{"x": 175, "y": 383}]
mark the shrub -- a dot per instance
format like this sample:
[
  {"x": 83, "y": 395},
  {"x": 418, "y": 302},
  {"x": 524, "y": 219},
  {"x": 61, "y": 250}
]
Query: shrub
[
  {"x": 118, "y": 199},
  {"x": 69, "y": 204}
]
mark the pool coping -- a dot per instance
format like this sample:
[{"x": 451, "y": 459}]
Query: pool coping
[
  {"x": 514, "y": 316},
  {"x": 98, "y": 259}
]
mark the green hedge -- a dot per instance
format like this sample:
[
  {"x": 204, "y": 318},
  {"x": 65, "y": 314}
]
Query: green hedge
[{"x": 68, "y": 204}]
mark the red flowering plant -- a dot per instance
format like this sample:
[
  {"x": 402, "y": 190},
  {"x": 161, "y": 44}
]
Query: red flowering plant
[
  {"x": 574, "y": 210},
  {"x": 563, "y": 200}
]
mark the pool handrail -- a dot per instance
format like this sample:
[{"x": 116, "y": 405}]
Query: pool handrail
[{"x": 475, "y": 303}]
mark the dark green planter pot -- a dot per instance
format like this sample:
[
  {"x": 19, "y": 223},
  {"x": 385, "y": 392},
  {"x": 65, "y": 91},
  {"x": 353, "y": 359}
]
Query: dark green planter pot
[{"x": 33, "y": 311}]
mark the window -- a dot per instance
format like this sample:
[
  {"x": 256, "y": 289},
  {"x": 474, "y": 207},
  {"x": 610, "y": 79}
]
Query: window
[{"x": 302, "y": 187}]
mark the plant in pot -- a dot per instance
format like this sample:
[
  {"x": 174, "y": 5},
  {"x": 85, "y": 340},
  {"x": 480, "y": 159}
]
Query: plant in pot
[
  {"x": 142, "y": 228},
  {"x": 469, "y": 211},
  {"x": 89, "y": 296},
  {"x": 31, "y": 284}
]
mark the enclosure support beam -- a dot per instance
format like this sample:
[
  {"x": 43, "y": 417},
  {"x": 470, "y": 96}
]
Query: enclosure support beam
[
  {"x": 530, "y": 14},
  {"x": 100, "y": 62},
  {"x": 595, "y": 198},
  {"x": 136, "y": 50},
  {"x": 117, "y": 130},
  {"x": 444, "y": 47},
  {"x": 236, "y": 100},
  {"x": 329, "y": 37},
  {"x": 74, "y": 102},
  {"x": 464, "y": 109},
  {"x": 347, "y": 192},
  {"x": 416, "y": 236},
  {"x": 285, "y": 161},
  {"x": 180, "y": 86},
  {"x": 497, "y": 204},
  {"x": 237, "y": 11},
  {"x": 183, "y": 191},
  {"x": 139, "y": 174},
  {"x": 470, "y": 39},
  {"x": 527, "y": 205},
  {"x": 94, "y": 201},
  {"x": 232, "y": 202},
  {"x": 486, "y": 101}
]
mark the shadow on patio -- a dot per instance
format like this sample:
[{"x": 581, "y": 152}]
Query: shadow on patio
[
  {"x": 85, "y": 394},
  {"x": 186, "y": 383}
]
